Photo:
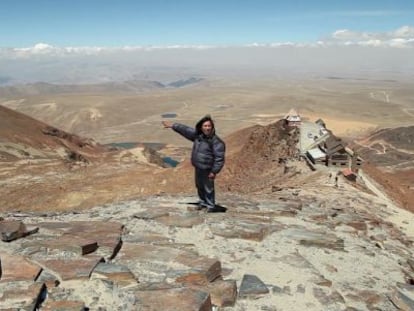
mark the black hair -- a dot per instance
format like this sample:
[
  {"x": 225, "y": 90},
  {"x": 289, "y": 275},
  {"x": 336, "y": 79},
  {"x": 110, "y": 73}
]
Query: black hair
[{"x": 201, "y": 121}]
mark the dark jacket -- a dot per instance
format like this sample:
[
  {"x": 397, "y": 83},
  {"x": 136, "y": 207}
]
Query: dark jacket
[{"x": 208, "y": 151}]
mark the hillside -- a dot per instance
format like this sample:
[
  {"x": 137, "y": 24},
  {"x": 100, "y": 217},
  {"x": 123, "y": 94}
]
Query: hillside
[
  {"x": 22, "y": 137},
  {"x": 390, "y": 152},
  {"x": 45, "y": 168},
  {"x": 262, "y": 157}
]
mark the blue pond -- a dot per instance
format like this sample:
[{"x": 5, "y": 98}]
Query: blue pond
[
  {"x": 125, "y": 145},
  {"x": 170, "y": 161},
  {"x": 169, "y": 115}
]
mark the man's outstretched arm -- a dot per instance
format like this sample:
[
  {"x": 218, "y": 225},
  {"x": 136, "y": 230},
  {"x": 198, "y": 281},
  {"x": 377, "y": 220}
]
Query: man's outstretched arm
[{"x": 184, "y": 130}]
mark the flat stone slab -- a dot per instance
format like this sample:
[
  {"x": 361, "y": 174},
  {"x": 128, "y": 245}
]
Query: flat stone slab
[
  {"x": 247, "y": 230},
  {"x": 107, "y": 235},
  {"x": 174, "y": 299},
  {"x": 183, "y": 221},
  {"x": 202, "y": 269},
  {"x": 55, "y": 227},
  {"x": 152, "y": 213},
  {"x": 120, "y": 275},
  {"x": 182, "y": 265},
  {"x": 17, "y": 268},
  {"x": 82, "y": 227},
  {"x": 73, "y": 244},
  {"x": 73, "y": 269},
  {"x": 51, "y": 305},
  {"x": 147, "y": 238},
  {"x": 11, "y": 230},
  {"x": 279, "y": 208},
  {"x": 97, "y": 229},
  {"x": 252, "y": 287},
  {"x": 22, "y": 297},
  {"x": 254, "y": 217},
  {"x": 314, "y": 238}
]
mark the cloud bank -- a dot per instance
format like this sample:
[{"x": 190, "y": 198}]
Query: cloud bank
[
  {"x": 402, "y": 37},
  {"x": 344, "y": 52}
]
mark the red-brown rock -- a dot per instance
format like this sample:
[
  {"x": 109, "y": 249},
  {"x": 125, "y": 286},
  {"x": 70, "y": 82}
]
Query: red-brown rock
[
  {"x": 12, "y": 230},
  {"x": 17, "y": 268},
  {"x": 73, "y": 244},
  {"x": 174, "y": 299},
  {"x": 23, "y": 297},
  {"x": 74, "y": 269},
  {"x": 196, "y": 269}
]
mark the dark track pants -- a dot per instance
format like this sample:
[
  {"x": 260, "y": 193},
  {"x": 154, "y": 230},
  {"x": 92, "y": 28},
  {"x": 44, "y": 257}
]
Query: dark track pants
[{"x": 205, "y": 187}]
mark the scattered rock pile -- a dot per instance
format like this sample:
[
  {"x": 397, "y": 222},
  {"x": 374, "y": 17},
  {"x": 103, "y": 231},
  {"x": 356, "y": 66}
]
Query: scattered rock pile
[
  {"x": 290, "y": 252},
  {"x": 262, "y": 158}
]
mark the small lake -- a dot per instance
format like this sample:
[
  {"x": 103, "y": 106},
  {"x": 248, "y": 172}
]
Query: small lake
[
  {"x": 124, "y": 145},
  {"x": 170, "y": 161},
  {"x": 130, "y": 145},
  {"x": 169, "y": 115}
]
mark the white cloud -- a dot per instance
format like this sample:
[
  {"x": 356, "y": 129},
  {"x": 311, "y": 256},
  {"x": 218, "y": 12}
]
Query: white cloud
[
  {"x": 402, "y": 37},
  {"x": 399, "y": 38},
  {"x": 404, "y": 32},
  {"x": 49, "y": 50}
]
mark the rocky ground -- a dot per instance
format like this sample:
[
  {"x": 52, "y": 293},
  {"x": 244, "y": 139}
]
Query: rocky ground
[{"x": 317, "y": 247}]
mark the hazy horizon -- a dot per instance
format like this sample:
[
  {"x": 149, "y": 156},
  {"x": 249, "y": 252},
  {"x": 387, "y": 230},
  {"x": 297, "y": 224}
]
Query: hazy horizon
[
  {"x": 168, "y": 64},
  {"x": 104, "y": 41}
]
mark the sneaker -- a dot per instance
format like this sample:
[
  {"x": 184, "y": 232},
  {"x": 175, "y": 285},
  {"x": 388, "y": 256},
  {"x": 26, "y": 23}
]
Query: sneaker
[
  {"x": 213, "y": 210},
  {"x": 200, "y": 206},
  {"x": 216, "y": 209}
]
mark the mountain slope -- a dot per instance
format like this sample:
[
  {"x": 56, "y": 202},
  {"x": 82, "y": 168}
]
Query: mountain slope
[
  {"x": 22, "y": 137},
  {"x": 390, "y": 153}
]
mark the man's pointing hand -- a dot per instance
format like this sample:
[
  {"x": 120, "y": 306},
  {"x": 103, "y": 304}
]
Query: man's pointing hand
[{"x": 167, "y": 124}]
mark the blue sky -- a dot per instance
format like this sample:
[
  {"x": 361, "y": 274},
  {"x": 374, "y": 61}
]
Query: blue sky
[{"x": 24, "y": 23}]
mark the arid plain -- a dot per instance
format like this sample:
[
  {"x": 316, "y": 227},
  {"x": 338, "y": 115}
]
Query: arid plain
[{"x": 112, "y": 114}]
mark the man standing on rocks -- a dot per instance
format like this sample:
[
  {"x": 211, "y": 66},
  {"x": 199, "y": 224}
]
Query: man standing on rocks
[{"x": 207, "y": 157}]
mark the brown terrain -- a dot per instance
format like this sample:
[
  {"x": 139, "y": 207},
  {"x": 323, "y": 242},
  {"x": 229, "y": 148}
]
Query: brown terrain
[
  {"x": 132, "y": 111},
  {"x": 390, "y": 153},
  {"x": 52, "y": 169},
  {"x": 103, "y": 227}
]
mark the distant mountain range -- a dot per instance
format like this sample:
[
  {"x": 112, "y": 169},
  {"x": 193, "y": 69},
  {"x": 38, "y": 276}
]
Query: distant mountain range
[{"x": 133, "y": 86}]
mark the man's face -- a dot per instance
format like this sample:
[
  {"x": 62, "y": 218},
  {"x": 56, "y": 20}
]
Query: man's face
[{"x": 207, "y": 128}]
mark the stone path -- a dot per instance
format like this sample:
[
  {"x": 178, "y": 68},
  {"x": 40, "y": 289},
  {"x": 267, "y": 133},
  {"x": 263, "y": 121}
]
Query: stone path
[{"x": 292, "y": 251}]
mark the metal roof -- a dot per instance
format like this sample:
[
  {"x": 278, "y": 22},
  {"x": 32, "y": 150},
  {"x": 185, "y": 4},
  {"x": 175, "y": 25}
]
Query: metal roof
[{"x": 316, "y": 153}]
